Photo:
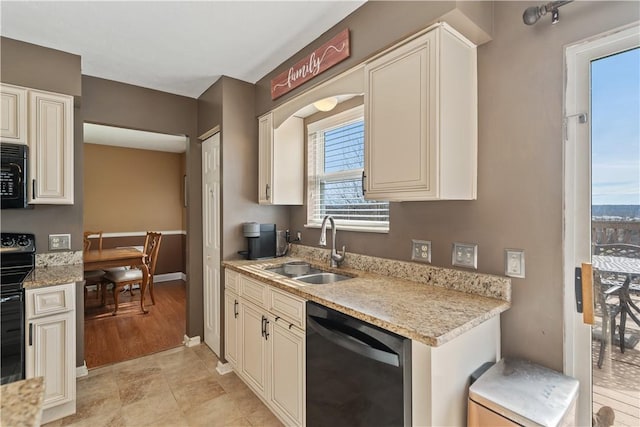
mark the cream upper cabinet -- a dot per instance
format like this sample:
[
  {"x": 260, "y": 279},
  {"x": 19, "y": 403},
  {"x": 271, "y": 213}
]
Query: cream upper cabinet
[
  {"x": 421, "y": 120},
  {"x": 50, "y": 148},
  {"x": 280, "y": 161},
  {"x": 13, "y": 112}
]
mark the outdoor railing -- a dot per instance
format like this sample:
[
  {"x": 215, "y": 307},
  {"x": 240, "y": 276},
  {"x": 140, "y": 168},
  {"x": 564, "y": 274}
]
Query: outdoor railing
[{"x": 612, "y": 231}]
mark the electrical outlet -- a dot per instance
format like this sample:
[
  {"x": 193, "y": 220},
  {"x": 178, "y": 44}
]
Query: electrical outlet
[
  {"x": 465, "y": 255},
  {"x": 421, "y": 250},
  {"x": 58, "y": 242},
  {"x": 514, "y": 263}
]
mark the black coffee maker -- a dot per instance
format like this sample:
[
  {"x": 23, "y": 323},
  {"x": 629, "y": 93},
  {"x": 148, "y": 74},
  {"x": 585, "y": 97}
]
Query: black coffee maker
[{"x": 261, "y": 239}]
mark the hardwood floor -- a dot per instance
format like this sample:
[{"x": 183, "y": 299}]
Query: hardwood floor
[
  {"x": 131, "y": 334},
  {"x": 617, "y": 383}
]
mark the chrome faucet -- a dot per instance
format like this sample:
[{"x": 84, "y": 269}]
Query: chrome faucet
[{"x": 336, "y": 258}]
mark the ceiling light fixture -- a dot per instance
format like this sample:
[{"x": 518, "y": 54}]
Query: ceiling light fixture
[{"x": 326, "y": 104}]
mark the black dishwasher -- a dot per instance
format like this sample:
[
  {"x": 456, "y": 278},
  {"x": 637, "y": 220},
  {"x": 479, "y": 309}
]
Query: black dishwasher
[{"x": 357, "y": 374}]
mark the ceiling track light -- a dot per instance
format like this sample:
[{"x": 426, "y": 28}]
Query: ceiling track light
[{"x": 532, "y": 14}]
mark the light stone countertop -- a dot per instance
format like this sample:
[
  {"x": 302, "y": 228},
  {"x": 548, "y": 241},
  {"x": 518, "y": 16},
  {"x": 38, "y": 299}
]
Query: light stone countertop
[
  {"x": 22, "y": 403},
  {"x": 54, "y": 275},
  {"x": 431, "y": 314}
]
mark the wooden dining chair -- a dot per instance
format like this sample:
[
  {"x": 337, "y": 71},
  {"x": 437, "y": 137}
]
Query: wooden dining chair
[
  {"x": 122, "y": 278},
  {"x": 610, "y": 312},
  {"x": 94, "y": 277}
]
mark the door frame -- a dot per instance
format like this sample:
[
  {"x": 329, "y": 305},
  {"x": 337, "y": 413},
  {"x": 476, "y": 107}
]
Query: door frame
[{"x": 577, "y": 196}]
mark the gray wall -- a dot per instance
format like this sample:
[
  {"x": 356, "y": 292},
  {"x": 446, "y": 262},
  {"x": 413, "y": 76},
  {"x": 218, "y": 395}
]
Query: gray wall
[
  {"x": 373, "y": 27},
  {"x": 230, "y": 103},
  {"x": 520, "y": 79},
  {"x": 37, "y": 67}
]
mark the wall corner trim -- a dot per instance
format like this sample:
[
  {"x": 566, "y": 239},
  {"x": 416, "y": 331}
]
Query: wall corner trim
[
  {"x": 224, "y": 368},
  {"x": 82, "y": 371},
  {"x": 191, "y": 341}
]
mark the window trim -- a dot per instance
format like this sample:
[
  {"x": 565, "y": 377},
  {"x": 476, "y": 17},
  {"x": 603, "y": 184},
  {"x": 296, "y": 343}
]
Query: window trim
[{"x": 341, "y": 119}]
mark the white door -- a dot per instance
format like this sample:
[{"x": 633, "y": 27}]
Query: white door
[
  {"x": 581, "y": 112},
  {"x": 211, "y": 241}
]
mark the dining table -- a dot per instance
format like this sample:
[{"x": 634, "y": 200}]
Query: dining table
[
  {"x": 620, "y": 267},
  {"x": 99, "y": 259}
]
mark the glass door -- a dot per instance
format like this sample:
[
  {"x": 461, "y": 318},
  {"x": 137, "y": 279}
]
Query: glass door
[
  {"x": 601, "y": 241},
  {"x": 615, "y": 237}
]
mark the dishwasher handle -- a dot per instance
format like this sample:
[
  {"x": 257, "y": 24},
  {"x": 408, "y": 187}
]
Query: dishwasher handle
[{"x": 352, "y": 343}]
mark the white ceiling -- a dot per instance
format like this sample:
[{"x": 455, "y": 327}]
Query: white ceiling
[
  {"x": 129, "y": 138},
  {"x": 172, "y": 46}
]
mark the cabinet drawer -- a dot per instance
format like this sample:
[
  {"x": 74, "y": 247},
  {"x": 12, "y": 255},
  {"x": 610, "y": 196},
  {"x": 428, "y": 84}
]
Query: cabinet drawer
[
  {"x": 287, "y": 306},
  {"x": 50, "y": 300},
  {"x": 253, "y": 291},
  {"x": 231, "y": 280}
]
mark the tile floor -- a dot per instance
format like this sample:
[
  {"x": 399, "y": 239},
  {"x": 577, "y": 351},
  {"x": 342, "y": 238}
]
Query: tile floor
[{"x": 177, "y": 387}]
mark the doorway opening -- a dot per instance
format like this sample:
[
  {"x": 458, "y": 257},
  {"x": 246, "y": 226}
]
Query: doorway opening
[{"x": 134, "y": 182}]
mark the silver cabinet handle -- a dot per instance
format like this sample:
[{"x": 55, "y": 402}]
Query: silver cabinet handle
[{"x": 267, "y": 192}]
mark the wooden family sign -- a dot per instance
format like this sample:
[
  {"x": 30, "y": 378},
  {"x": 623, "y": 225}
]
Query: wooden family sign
[{"x": 320, "y": 60}]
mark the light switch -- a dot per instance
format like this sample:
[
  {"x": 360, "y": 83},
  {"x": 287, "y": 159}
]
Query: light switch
[
  {"x": 465, "y": 255},
  {"x": 514, "y": 263}
]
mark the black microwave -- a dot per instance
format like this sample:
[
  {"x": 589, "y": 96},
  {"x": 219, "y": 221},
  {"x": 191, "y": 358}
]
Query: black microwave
[{"x": 13, "y": 178}]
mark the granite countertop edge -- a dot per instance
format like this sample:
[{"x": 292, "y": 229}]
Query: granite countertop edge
[
  {"x": 22, "y": 402},
  {"x": 409, "y": 329},
  {"x": 42, "y": 277}
]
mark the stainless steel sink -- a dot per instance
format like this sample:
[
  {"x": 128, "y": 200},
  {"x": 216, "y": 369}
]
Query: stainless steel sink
[
  {"x": 309, "y": 275},
  {"x": 281, "y": 270},
  {"x": 321, "y": 278}
]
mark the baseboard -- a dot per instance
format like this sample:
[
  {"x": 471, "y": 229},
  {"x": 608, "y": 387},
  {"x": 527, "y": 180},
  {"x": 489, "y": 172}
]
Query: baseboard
[
  {"x": 167, "y": 277},
  {"x": 224, "y": 368},
  {"x": 82, "y": 371},
  {"x": 191, "y": 341}
]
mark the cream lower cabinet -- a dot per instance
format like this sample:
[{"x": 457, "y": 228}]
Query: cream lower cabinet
[
  {"x": 287, "y": 353},
  {"x": 253, "y": 347},
  {"x": 51, "y": 347},
  {"x": 268, "y": 335},
  {"x": 421, "y": 120}
]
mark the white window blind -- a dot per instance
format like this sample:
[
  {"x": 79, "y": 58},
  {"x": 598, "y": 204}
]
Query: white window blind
[{"x": 335, "y": 166}]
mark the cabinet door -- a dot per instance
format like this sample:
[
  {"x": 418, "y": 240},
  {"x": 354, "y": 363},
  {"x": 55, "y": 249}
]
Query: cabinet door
[
  {"x": 265, "y": 159},
  {"x": 231, "y": 321},
  {"x": 253, "y": 357},
  {"x": 51, "y": 354},
  {"x": 51, "y": 148},
  {"x": 13, "y": 112},
  {"x": 287, "y": 372},
  {"x": 400, "y": 102}
]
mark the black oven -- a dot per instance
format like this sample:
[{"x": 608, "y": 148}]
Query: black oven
[
  {"x": 13, "y": 178},
  {"x": 17, "y": 260}
]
